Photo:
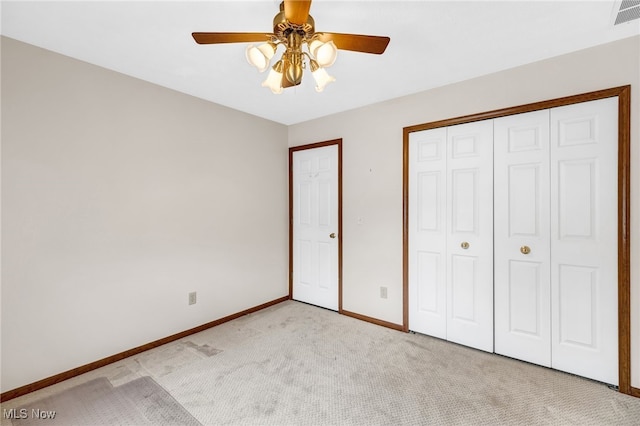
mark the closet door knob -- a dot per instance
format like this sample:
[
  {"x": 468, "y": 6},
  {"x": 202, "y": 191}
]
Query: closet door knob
[
  {"x": 464, "y": 245},
  {"x": 525, "y": 250},
  {"x": 332, "y": 235}
]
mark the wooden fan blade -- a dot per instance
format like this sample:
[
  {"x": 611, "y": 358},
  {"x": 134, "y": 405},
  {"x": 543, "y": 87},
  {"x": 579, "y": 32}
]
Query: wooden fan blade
[
  {"x": 297, "y": 11},
  {"x": 356, "y": 42},
  {"x": 215, "y": 38}
]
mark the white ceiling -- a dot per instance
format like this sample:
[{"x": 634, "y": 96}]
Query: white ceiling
[{"x": 432, "y": 44}]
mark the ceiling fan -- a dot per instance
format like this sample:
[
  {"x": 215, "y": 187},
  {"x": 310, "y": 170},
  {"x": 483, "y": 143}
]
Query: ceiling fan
[{"x": 294, "y": 28}]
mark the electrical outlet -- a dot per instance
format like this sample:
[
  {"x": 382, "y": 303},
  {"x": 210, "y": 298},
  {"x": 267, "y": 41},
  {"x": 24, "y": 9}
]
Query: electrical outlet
[
  {"x": 383, "y": 292},
  {"x": 192, "y": 298}
]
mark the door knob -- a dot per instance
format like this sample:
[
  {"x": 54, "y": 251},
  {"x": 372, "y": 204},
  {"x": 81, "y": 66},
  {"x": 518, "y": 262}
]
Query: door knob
[
  {"x": 525, "y": 250},
  {"x": 332, "y": 235},
  {"x": 464, "y": 245}
]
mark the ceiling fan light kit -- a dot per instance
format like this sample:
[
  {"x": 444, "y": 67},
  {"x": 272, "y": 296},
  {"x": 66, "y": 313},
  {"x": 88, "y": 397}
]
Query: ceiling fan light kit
[
  {"x": 294, "y": 60},
  {"x": 274, "y": 79},
  {"x": 294, "y": 28},
  {"x": 325, "y": 53},
  {"x": 293, "y": 63},
  {"x": 321, "y": 76},
  {"x": 260, "y": 56}
]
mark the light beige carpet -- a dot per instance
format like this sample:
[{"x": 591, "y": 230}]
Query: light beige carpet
[
  {"x": 139, "y": 402},
  {"x": 295, "y": 364}
]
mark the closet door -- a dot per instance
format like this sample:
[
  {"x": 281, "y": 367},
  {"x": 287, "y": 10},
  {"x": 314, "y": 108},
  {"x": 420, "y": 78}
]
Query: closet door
[
  {"x": 427, "y": 232},
  {"x": 451, "y": 233},
  {"x": 584, "y": 275},
  {"x": 522, "y": 258},
  {"x": 469, "y": 222}
]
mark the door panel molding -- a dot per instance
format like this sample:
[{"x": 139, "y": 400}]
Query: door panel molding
[
  {"x": 337, "y": 142},
  {"x": 522, "y": 213},
  {"x": 624, "y": 201}
]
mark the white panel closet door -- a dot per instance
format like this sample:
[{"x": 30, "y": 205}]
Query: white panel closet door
[
  {"x": 584, "y": 274},
  {"x": 315, "y": 225},
  {"x": 469, "y": 222},
  {"x": 428, "y": 232},
  {"x": 521, "y": 214}
]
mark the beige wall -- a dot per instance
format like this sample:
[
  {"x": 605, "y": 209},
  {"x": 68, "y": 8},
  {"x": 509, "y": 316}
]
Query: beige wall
[
  {"x": 119, "y": 198},
  {"x": 372, "y": 162}
]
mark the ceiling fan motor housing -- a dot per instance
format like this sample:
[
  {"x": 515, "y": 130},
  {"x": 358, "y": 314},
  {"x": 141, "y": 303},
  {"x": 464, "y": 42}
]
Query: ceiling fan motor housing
[{"x": 282, "y": 28}]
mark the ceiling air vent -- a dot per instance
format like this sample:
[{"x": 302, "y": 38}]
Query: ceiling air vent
[{"x": 629, "y": 10}]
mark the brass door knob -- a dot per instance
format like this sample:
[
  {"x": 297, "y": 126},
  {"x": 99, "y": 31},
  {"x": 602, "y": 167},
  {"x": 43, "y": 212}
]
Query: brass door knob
[
  {"x": 464, "y": 245},
  {"x": 525, "y": 250},
  {"x": 332, "y": 235}
]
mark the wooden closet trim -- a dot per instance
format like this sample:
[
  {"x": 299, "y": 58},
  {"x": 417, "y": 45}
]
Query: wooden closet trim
[{"x": 624, "y": 200}]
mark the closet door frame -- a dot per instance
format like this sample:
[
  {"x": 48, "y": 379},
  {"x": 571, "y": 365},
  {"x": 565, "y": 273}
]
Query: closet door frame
[{"x": 624, "y": 200}]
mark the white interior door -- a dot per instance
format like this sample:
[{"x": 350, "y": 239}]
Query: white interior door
[
  {"x": 315, "y": 226},
  {"x": 428, "y": 232},
  {"x": 469, "y": 221},
  {"x": 584, "y": 274},
  {"x": 522, "y": 246},
  {"x": 451, "y": 233}
]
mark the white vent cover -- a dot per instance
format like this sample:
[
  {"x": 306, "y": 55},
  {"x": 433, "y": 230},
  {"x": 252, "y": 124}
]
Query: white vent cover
[{"x": 629, "y": 10}]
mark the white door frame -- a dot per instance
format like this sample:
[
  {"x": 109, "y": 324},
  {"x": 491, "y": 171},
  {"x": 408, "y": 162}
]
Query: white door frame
[
  {"x": 624, "y": 201},
  {"x": 337, "y": 142}
]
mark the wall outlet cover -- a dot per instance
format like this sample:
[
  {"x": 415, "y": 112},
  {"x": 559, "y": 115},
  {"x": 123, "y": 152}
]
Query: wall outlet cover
[{"x": 383, "y": 292}]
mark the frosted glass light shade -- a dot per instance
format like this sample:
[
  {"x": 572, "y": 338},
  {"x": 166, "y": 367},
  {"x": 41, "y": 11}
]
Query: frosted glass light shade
[
  {"x": 324, "y": 53},
  {"x": 268, "y": 49},
  {"x": 274, "y": 79},
  {"x": 322, "y": 79},
  {"x": 260, "y": 56}
]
